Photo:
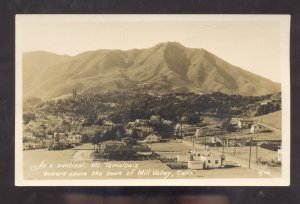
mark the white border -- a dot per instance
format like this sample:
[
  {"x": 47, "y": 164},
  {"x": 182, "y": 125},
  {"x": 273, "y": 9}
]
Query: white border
[{"x": 285, "y": 85}]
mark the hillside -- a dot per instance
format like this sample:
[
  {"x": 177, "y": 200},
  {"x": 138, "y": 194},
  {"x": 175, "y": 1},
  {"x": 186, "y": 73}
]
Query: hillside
[
  {"x": 271, "y": 119},
  {"x": 164, "y": 67}
]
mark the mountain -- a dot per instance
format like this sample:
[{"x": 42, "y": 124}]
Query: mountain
[{"x": 165, "y": 67}]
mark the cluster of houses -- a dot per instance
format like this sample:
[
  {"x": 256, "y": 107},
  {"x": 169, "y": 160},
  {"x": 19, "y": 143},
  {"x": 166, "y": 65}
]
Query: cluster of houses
[
  {"x": 32, "y": 142},
  {"x": 244, "y": 123}
]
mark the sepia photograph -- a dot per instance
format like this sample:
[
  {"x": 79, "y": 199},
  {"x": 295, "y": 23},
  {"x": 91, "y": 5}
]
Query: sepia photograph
[{"x": 152, "y": 100}]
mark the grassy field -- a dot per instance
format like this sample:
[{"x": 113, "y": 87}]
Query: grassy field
[{"x": 271, "y": 119}]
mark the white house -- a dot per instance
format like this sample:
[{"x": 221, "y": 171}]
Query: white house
[
  {"x": 235, "y": 120},
  {"x": 204, "y": 160},
  {"x": 155, "y": 119},
  {"x": 257, "y": 128},
  {"x": 152, "y": 138},
  {"x": 75, "y": 138},
  {"x": 245, "y": 123},
  {"x": 29, "y": 136},
  {"x": 213, "y": 161},
  {"x": 279, "y": 155}
]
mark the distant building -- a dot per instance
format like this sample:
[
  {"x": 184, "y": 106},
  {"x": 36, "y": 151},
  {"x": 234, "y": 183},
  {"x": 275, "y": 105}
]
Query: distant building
[
  {"x": 204, "y": 161},
  {"x": 258, "y": 128},
  {"x": 168, "y": 122},
  {"x": 33, "y": 145},
  {"x": 155, "y": 119},
  {"x": 49, "y": 136},
  {"x": 60, "y": 137},
  {"x": 235, "y": 120},
  {"x": 141, "y": 122},
  {"x": 48, "y": 142},
  {"x": 75, "y": 138},
  {"x": 108, "y": 123},
  {"x": 245, "y": 123},
  {"x": 211, "y": 131},
  {"x": 279, "y": 155},
  {"x": 152, "y": 138},
  {"x": 28, "y": 136}
]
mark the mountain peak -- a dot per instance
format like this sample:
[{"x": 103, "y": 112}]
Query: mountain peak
[
  {"x": 168, "y": 66},
  {"x": 169, "y": 44}
]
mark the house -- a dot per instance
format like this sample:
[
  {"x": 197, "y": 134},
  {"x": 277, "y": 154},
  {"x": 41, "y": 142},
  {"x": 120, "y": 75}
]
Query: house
[
  {"x": 167, "y": 122},
  {"x": 185, "y": 129},
  {"x": 235, "y": 120},
  {"x": 60, "y": 137},
  {"x": 28, "y": 136},
  {"x": 108, "y": 123},
  {"x": 279, "y": 155},
  {"x": 208, "y": 131},
  {"x": 33, "y": 145},
  {"x": 152, "y": 138},
  {"x": 245, "y": 123},
  {"x": 205, "y": 160},
  {"x": 213, "y": 161},
  {"x": 258, "y": 128},
  {"x": 75, "y": 138},
  {"x": 140, "y": 122},
  {"x": 155, "y": 119},
  {"x": 48, "y": 142}
]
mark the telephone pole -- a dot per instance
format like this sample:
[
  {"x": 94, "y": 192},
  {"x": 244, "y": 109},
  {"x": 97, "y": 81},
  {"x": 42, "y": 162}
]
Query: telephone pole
[
  {"x": 234, "y": 145},
  {"x": 250, "y": 152}
]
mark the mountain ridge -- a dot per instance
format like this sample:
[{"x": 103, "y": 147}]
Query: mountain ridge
[{"x": 164, "y": 67}]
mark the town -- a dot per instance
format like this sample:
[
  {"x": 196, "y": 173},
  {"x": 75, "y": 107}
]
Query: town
[{"x": 183, "y": 130}]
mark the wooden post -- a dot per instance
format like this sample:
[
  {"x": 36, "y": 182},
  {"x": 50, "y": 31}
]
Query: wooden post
[
  {"x": 234, "y": 145},
  {"x": 223, "y": 146},
  {"x": 204, "y": 140},
  {"x": 256, "y": 155},
  {"x": 250, "y": 152}
]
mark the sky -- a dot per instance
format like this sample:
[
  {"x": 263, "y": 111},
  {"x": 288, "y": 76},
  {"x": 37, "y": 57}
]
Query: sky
[{"x": 252, "y": 45}]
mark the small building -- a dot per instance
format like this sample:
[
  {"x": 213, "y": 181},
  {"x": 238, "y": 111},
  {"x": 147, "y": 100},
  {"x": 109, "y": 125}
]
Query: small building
[
  {"x": 140, "y": 122},
  {"x": 49, "y": 136},
  {"x": 33, "y": 145},
  {"x": 28, "y": 136},
  {"x": 155, "y": 119},
  {"x": 48, "y": 142},
  {"x": 235, "y": 120},
  {"x": 108, "y": 123},
  {"x": 258, "y": 128},
  {"x": 279, "y": 155},
  {"x": 75, "y": 138},
  {"x": 213, "y": 161},
  {"x": 195, "y": 165},
  {"x": 152, "y": 138},
  {"x": 204, "y": 160},
  {"x": 168, "y": 122},
  {"x": 245, "y": 123},
  {"x": 60, "y": 137}
]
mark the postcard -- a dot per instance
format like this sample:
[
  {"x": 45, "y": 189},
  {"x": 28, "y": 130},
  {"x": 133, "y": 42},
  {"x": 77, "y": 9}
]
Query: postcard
[{"x": 152, "y": 100}]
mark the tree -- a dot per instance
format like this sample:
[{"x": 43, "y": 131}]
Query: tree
[
  {"x": 134, "y": 134},
  {"x": 227, "y": 126}
]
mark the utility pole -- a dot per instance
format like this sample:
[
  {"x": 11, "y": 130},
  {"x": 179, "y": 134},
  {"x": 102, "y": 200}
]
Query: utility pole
[
  {"x": 223, "y": 146},
  {"x": 234, "y": 145},
  {"x": 250, "y": 152},
  {"x": 256, "y": 155},
  {"x": 204, "y": 139}
]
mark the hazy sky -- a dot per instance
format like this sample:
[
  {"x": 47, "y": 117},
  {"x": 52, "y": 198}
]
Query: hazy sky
[{"x": 251, "y": 45}]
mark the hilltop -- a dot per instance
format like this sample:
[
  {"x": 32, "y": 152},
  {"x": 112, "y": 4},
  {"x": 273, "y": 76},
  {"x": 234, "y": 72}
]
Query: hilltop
[{"x": 164, "y": 67}]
